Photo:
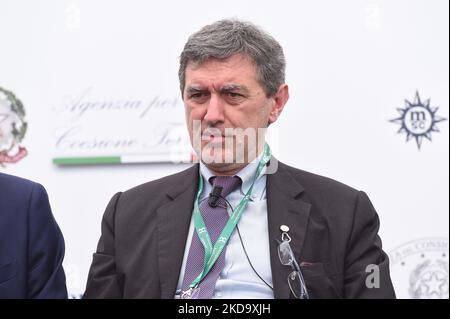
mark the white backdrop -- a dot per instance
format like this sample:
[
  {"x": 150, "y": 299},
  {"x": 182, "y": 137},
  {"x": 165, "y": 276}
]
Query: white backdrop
[{"x": 350, "y": 66}]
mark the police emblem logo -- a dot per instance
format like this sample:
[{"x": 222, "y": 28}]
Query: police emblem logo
[
  {"x": 420, "y": 269},
  {"x": 418, "y": 120},
  {"x": 12, "y": 128}
]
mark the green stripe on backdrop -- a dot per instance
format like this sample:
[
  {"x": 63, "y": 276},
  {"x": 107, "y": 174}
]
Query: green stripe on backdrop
[{"x": 86, "y": 160}]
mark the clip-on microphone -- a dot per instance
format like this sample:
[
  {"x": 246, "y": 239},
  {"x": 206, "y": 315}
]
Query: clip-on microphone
[{"x": 215, "y": 195}]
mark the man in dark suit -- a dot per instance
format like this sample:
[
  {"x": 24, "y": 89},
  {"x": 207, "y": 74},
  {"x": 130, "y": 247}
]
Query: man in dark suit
[
  {"x": 31, "y": 243},
  {"x": 239, "y": 224}
]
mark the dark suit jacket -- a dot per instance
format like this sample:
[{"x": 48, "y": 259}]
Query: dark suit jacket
[
  {"x": 31, "y": 244},
  {"x": 333, "y": 229}
]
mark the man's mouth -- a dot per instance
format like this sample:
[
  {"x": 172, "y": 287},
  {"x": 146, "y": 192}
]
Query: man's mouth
[{"x": 211, "y": 138}]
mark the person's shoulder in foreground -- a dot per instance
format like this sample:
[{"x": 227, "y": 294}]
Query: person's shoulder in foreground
[
  {"x": 31, "y": 243},
  {"x": 342, "y": 251}
]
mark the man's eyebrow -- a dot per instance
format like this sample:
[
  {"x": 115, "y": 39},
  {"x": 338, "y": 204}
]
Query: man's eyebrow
[
  {"x": 195, "y": 89},
  {"x": 226, "y": 88},
  {"x": 233, "y": 87}
]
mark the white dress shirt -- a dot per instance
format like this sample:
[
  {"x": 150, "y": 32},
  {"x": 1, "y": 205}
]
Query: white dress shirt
[{"x": 237, "y": 279}]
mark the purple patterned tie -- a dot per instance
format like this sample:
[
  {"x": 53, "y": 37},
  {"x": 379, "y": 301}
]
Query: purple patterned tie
[{"x": 215, "y": 219}]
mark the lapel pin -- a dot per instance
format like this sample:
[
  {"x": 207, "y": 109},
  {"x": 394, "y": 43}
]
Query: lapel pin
[{"x": 284, "y": 235}]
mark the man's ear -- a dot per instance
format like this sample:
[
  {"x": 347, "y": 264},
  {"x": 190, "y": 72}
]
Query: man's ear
[{"x": 279, "y": 100}]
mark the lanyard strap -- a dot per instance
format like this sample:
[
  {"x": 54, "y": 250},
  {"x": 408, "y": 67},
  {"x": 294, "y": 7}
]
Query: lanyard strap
[{"x": 213, "y": 253}]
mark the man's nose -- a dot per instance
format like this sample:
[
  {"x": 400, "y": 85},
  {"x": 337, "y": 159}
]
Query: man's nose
[{"x": 215, "y": 110}]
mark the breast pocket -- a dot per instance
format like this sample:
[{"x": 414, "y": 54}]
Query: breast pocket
[
  {"x": 7, "y": 271},
  {"x": 320, "y": 280}
]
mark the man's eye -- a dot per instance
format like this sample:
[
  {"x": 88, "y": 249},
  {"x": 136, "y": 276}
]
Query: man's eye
[
  {"x": 198, "y": 95},
  {"x": 234, "y": 95}
]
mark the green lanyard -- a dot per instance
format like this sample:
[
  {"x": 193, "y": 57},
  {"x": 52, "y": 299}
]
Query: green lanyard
[{"x": 212, "y": 253}]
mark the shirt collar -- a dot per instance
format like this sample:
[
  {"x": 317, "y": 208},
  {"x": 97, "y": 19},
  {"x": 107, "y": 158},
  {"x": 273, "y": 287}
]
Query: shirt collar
[{"x": 246, "y": 174}]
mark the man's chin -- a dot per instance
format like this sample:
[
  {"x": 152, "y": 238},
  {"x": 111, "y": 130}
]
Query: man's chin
[
  {"x": 217, "y": 162},
  {"x": 218, "y": 156},
  {"x": 225, "y": 168}
]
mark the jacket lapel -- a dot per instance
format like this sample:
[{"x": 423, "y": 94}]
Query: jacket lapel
[
  {"x": 284, "y": 207},
  {"x": 173, "y": 227}
]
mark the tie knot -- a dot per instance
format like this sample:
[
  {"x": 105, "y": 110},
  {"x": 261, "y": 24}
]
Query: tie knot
[{"x": 228, "y": 183}]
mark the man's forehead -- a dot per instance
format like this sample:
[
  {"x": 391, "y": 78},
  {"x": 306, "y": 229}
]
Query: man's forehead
[
  {"x": 231, "y": 68},
  {"x": 234, "y": 73}
]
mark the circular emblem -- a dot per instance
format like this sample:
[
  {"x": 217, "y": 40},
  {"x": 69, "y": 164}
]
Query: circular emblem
[
  {"x": 12, "y": 128},
  {"x": 418, "y": 120},
  {"x": 420, "y": 269}
]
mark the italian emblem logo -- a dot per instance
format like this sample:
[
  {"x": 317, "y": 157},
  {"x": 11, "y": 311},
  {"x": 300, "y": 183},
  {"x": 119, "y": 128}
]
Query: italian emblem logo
[
  {"x": 419, "y": 269},
  {"x": 12, "y": 128}
]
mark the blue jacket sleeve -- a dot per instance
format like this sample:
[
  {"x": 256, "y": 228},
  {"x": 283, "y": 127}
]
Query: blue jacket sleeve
[{"x": 46, "y": 278}]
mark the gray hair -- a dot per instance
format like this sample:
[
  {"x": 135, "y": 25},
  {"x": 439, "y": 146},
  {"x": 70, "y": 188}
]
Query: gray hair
[{"x": 224, "y": 38}]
